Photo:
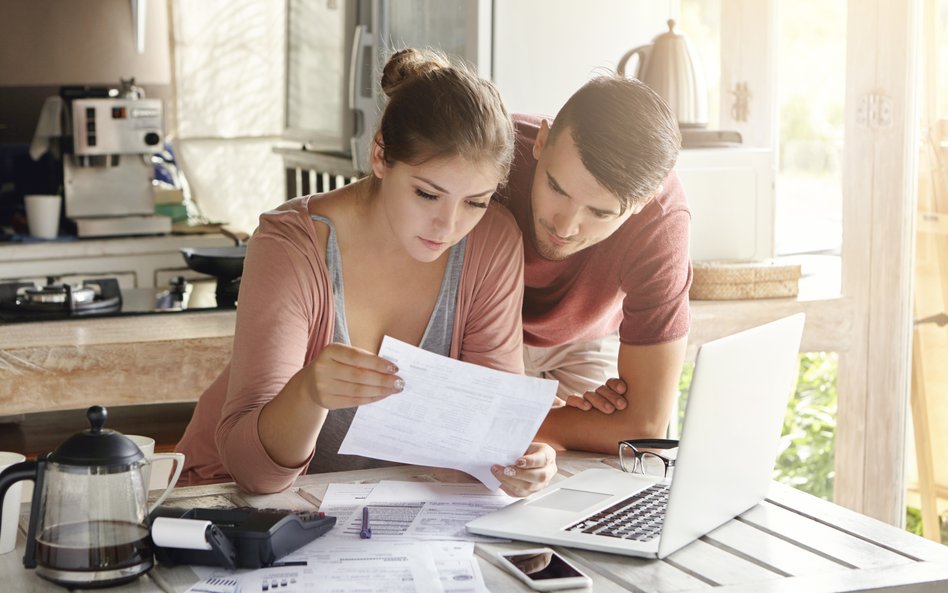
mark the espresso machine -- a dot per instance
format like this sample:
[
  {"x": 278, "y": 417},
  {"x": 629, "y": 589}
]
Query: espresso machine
[{"x": 107, "y": 178}]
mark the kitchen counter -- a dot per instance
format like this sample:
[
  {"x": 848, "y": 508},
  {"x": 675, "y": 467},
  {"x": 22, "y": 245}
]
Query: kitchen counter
[
  {"x": 58, "y": 365},
  {"x": 173, "y": 357}
]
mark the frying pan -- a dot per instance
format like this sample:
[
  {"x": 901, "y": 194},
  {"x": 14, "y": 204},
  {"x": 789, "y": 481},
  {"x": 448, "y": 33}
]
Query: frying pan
[{"x": 225, "y": 263}]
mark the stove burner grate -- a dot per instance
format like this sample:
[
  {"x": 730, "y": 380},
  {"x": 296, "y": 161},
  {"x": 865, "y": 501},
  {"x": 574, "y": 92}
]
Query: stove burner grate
[{"x": 19, "y": 300}]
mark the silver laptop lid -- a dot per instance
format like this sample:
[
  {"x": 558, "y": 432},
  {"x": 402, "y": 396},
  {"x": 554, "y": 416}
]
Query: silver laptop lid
[{"x": 731, "y": 435}]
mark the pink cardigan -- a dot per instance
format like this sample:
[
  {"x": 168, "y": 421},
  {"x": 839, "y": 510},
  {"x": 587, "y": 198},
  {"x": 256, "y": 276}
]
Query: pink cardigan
[{"x": 285, "y": 318}]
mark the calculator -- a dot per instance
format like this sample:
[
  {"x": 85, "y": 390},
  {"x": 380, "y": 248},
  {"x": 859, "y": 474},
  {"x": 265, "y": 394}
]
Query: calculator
[{"x": 243, "y": 537}]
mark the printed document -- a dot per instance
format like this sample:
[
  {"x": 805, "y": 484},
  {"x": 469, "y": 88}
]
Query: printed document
[
  {"x": 415, "y": 545},
  {"x": 451, "y": 414},
  {"x": 408, "y": 510},
  {"x": 359, "y": 567}
]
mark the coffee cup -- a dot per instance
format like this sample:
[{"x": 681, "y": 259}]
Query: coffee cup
[
  {"x": 156, "y": 473},
  {"x": 11, "y": 505},
  {"x": 42, "y": 215}
]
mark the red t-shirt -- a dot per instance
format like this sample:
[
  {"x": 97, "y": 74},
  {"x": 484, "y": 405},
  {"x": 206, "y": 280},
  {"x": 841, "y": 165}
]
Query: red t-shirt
[{"x": 636, "y": 280}]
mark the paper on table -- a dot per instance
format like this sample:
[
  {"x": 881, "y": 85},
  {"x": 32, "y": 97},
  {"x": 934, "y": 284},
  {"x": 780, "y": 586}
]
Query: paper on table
[
  {"x": 344, "y": 502},
  {"x": 402, "y": 491},
  {"x": 447, "y": 508},
  {"x": 458, "y": 568},
  {"x": 365, "y": 567},
  {"x": 451, "y": 414},
  {"x": 330, "y": 563},
  {"x": 407, "y": 510}
]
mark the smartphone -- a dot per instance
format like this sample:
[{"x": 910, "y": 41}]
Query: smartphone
[{"x": 543, "y": 569}]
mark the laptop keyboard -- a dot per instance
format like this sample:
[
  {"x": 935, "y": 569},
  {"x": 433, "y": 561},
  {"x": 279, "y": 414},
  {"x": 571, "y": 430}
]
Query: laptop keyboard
[{"x": 638, "y": 517}]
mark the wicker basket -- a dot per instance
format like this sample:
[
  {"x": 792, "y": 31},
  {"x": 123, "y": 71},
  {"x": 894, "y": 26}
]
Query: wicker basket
[{"x": 720, "y": 281}]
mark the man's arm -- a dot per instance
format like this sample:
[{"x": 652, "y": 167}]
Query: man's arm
[{"x": 651, "y": 375}]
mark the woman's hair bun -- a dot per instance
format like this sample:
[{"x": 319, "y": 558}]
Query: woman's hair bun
[{"x": 406, "y": 64}]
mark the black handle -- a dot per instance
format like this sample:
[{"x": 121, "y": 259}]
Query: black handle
[
  {"x": 25, "y": 470},
  {"x": 97, "y": 416}
]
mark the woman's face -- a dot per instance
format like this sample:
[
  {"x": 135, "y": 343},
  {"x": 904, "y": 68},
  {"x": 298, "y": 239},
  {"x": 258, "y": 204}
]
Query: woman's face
[{"x": 432, "y": 206}]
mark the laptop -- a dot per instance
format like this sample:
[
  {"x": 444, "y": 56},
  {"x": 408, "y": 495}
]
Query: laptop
[{"x": 729, "y": 443}]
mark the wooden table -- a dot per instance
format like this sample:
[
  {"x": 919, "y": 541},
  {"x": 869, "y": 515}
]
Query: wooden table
[{"x": 792, "y": 542}]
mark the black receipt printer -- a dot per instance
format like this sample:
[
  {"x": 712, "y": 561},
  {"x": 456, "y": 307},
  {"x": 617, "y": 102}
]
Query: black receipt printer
[{"x": 242, "y": 537}]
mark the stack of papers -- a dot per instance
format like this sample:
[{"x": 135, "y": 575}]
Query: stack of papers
[
  {"x": 408, "y": 510},
  {"x": 363, "y": 567},
  {"x": 418, "y": 545}
]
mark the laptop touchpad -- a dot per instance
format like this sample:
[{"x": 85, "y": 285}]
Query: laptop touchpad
[{"x": 566, "y": 499}]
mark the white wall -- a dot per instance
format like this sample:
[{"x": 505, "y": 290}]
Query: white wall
[{"x": 546, "y": 49}]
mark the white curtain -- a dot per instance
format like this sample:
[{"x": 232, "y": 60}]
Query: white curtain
[{"x": 228, "y": 109}]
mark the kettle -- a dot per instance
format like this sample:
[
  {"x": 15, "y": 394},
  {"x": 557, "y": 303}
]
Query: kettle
[
  {"x": 667, "y": 67},
  {"x": 89, "y": 514}
]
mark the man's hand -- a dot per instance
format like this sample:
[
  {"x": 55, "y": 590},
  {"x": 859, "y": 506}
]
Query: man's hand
[
  {"x": 606, "y": 398},
  {"x": 650, "y": 375}
]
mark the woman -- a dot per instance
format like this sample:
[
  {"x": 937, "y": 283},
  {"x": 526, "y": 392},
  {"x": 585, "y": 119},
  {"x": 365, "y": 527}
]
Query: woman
[{"x": 415, "y": 251}]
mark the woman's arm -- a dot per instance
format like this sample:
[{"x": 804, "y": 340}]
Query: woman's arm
[
  {"x": 285, "y": 375},
  {"x": 284, "y": 315},
  {"x": 339, "y": 377}
]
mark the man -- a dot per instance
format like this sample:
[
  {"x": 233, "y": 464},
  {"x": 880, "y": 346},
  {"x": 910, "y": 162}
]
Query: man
[{"x": 605, "y": 228}]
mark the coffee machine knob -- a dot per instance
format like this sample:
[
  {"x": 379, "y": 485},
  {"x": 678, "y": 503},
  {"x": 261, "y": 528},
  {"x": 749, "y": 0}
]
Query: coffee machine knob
[{"x": 152, "y": 138}]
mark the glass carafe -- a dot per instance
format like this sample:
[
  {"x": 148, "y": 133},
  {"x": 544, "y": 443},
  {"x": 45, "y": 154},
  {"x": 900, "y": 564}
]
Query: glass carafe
[
  {"x": 89, "y": 514},
  {"x": 93, "y": 523}
]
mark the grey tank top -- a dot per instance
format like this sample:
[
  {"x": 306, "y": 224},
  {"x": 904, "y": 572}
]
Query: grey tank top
[{"x": 437, "y": 339}]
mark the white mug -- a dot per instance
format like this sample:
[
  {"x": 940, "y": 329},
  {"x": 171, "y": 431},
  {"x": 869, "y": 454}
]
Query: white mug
[
  {"x": 11, "y": 504},
  {"x": 157, "y": 480},
  {"x": 42, "y": 215}
]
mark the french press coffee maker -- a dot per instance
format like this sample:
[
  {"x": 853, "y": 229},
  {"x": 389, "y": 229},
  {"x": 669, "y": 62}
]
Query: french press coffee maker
[{"x": 89, "y": 514}]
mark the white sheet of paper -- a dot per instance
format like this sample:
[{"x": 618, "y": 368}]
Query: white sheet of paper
[
  {"x": 344, "y": 502},
  {"x": 447, "y": 507},
  {"x": 405, "y": 491},
  {"x": 450, "y": 562},
  {"x": 451, "y": 414},
  {"x": 341, "y": 562},
  {"x": 361, "y": 567},
  {"x": 400, "y": 510},
  {"x": 457, "y": 567}
]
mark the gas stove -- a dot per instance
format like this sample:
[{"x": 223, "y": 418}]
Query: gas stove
[{"x": 103, "y": 297}]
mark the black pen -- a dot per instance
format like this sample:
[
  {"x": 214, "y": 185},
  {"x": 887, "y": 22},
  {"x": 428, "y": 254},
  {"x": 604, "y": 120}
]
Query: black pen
[
  {"x": 366, "y": 531},
  {"x": 289, "y": 563}
]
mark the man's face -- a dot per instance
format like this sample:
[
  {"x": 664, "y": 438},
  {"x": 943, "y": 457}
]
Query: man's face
[{"x": 571, "y": 210}]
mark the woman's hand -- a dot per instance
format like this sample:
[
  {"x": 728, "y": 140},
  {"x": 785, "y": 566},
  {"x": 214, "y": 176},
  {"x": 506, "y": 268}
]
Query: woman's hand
[
  {"x": 606, "y": 398},
  {"x": 343, "y": 377},
  {"x": 531, "y": 472}
]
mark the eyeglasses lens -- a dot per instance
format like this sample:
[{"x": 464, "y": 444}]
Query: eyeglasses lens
[
  {"x": 651, "y": 464},
  {"x": 640, "y": 462},
  {"x": 627, "y": 458}
]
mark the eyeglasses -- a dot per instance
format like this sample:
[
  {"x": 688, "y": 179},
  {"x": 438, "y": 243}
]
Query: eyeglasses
[{"x": 633, "y": 459}]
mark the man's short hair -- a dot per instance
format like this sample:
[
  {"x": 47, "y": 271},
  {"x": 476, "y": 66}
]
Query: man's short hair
[{"x": 627, "y": 136}]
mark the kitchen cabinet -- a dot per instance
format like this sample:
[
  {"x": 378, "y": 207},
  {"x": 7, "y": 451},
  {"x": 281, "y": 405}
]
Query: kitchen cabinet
[{"x": 140, "y": 262}]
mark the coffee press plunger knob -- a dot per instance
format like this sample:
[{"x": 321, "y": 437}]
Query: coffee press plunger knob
[{"x": 97, "y": 416}]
